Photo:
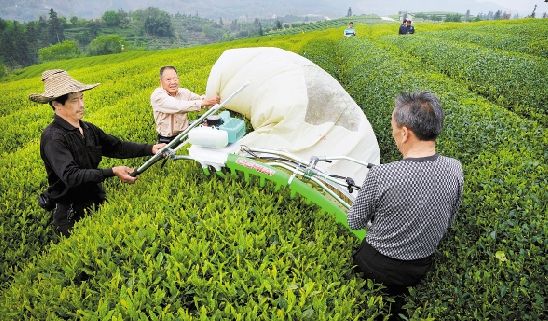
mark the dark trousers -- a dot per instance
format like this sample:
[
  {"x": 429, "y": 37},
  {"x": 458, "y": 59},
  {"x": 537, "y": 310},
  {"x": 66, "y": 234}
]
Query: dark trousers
[
  {"x": 164, "y": 139},
  {"x": 395, "y": 274},
  {"x": 66, "y": 214}
]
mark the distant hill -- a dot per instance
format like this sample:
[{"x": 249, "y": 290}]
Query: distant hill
[{"x": 28, "y": 10}]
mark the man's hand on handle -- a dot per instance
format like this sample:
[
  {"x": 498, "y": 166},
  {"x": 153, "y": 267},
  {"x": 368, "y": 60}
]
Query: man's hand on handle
[
  {"x": 156, "y": 148},
  {"x": 208, "y": 102},
  {"x": 123, "y": 172}
]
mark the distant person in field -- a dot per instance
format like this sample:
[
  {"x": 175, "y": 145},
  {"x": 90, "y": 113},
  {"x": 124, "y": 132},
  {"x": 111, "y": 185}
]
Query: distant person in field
[
  {"x": 72, "y": 149},
  {"x": 349, "y": 31},
  {"x": 170, "y": 105},
  {"x": 407, "y": 206},
  {"x": 406, "y": 28},
  {"x": 402, "y": 30}
]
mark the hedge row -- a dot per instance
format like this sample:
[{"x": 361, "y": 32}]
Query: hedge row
[
  {"x": 177, "y": 245},
  {"x": 180, "y": 245},
  {"x": 120, "y": 106},
  {"x": 13, "y": 99},
  {"x": 512, "y": 80},
  {"x": 195, "y": 247},
  {"x": 529, "y": 28},
  {"x": 536, "y": 44},
  {"x": 491, "y": 266}
]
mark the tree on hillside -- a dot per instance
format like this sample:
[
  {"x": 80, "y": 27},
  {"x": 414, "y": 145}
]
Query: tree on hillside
[
  {"x": 24, "y": 46},
  {"x": 94, "y": 26},
  {"x": 116, "y": 19},
  {"x": 125, "y": 20},
  {"x": 106, "y": 44},
  {"x": 234, "y": 26},
  {"x": 56, "y": 30},
  {"x": 212, "y": 33},
  {"x": 349, "y": 12},
  {"x": 59, "y": 51},
  {"x": 33, "y": 41},
  {"x": 498, "y": 15},
  {"x": 155, "y": 22},
  {"x": 259, "y": 27},
  {"x": 15, "y": 49},
  {"x": 453, "y": 17},
  {"x": 43, "y": 29},
  {"x": 111, "y": 18},
  {"x": 7, "y": 44}
]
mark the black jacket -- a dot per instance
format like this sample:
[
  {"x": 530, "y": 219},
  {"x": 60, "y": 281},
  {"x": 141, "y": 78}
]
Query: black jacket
[
  {"x": 72, "y": 160},
  {"x": 404, "y": 29}
]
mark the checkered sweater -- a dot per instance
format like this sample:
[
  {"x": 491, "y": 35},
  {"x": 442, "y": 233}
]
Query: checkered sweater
[{"x": 410, "y": 203}]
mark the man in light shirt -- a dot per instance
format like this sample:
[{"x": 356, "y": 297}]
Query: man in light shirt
[
  {"x": 350, "y": 32},
  {"x": 170, "y": 105}
]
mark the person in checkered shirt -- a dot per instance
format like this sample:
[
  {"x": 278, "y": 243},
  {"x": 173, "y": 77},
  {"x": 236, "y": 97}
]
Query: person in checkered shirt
[{"x": 407, "y": 206}]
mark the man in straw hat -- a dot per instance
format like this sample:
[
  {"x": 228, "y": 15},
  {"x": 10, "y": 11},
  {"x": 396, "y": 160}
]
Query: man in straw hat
[{"x": 72, "y": 149}]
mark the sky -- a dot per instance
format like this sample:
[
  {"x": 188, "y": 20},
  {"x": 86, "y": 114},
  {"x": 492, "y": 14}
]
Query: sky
[
  {"x": 26, "y": 10},
  {"x": 522, "y": 6}
]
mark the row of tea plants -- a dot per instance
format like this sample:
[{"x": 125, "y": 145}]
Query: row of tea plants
[
  {"x": 491, "y": 266},
  {"x": 181, "y": 245}
]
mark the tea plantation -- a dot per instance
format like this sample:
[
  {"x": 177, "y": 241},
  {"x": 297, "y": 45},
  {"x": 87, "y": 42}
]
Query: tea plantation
[{"x": 179, "y": 245}]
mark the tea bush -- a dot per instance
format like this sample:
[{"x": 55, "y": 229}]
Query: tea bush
[
  {"x": 181, "y": 245},
  {"x": 120, "y": 105},
  {"x": 221, "y": 249},
  {"x": 536, "y": 44},
  {"x": 509, "y": 79}
]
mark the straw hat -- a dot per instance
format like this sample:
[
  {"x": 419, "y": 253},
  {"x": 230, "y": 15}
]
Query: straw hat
[{"x": 58, "y": 83}]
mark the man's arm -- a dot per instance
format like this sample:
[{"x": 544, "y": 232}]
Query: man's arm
[
  {"x": 161, "y": 101},
  {"x": 458, "y": 199},
  {"x": 112, "y": 146},
  {"x": 65, "y": 167},
  {"x": 363, "y": 208}
]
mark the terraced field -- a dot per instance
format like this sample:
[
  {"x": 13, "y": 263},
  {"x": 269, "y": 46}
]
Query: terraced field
[{"x": 179, "y": 245}]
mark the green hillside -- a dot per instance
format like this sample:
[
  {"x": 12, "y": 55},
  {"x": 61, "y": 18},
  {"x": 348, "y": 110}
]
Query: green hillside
[{"x": 179, "y": 245}]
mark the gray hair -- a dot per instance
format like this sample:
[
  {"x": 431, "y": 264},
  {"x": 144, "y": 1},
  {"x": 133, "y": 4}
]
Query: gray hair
[
  {"x": 421, "y": 112},
  {"x": 165, "y": 68}
]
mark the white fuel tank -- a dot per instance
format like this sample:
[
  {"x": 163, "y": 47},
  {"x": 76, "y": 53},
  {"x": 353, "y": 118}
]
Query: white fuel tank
[{"x": 208, "y": 137}]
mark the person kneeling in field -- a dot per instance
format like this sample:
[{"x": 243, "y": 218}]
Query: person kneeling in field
[
  {"x": 72, "y": 150},
  {"x": 410, "y": 204}
]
